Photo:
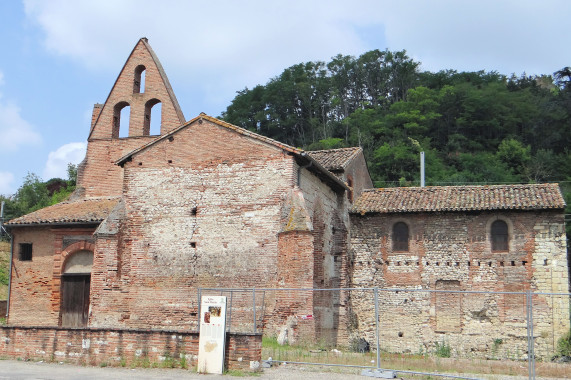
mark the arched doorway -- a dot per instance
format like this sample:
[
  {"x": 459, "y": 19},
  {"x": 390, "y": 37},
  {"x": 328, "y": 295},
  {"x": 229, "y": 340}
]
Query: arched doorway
[{"x": 76, "y": 280}]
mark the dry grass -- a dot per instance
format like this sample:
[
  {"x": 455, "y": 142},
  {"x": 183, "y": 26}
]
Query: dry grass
[
  {"x": 4, "y": 268},
  {"x": 416, "y": 363}
]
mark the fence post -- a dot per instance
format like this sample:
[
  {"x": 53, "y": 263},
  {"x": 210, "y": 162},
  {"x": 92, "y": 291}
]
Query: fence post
[
  {"x": 199, "y": 295},
  {"x": 254, "y": 298},
  {"x": 377, "y": 327},
  {"x": 230, "y": 313},
  {"x": 530, "y": 340}
]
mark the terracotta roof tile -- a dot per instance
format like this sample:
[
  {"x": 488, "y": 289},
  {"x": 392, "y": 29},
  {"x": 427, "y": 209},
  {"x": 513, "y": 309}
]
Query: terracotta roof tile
[
  {"x": 81, "y": 211},
  {"x": 335, "y": 159},
  {"x": 460, "y": 198}
]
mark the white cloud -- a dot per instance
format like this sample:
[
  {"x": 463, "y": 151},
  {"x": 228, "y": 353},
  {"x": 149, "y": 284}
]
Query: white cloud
[
  {"x": 56, "y": 166},
  {"x": 15, "y": 132},
  {"x": 215, "y": 47},
  {"x": 7, "y": 183},
  {"x": 253, "y": 40},
  {"x": 508, "y": 36}
]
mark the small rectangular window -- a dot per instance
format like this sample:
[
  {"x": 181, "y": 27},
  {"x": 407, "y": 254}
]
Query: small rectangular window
[{"x": 25, "y": 251}]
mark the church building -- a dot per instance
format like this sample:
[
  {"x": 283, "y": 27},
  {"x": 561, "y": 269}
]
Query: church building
[{"x": 206, "y": 204}]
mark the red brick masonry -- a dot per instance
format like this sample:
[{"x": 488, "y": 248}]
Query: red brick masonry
[{"x": 95, "y": 346}]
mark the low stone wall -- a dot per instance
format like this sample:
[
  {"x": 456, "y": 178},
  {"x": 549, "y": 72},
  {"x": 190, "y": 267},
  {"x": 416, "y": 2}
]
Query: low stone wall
[{"x": 99, "y": 346}]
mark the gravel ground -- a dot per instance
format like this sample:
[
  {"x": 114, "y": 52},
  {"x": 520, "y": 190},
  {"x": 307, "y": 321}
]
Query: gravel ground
[{"x": 21, "y": 370}]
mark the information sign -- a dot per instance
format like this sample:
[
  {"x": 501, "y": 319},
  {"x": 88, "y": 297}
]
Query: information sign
[{"x": 212, "y": 334}]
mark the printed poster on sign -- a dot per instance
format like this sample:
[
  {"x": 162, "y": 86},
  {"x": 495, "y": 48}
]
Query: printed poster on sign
[{"x": 212, "y": 334}]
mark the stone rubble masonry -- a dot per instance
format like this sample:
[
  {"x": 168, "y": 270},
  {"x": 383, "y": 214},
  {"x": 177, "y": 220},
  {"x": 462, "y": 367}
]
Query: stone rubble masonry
[
  {"x": 120, "y": 347},
  {"x": 452, "y": 251}
]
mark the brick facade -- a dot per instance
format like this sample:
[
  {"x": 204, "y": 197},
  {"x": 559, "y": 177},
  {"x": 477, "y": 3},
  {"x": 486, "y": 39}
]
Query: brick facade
[
  {"x": 121, "y": 347},
  {"x": 97, "y": 174}
]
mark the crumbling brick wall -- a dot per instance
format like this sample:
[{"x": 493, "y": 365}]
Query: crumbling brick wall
[
  {"x": 200, "y": 211},
  {"x": 452, "y": 251},
  {"x": 121, "y": 347},
  {"x": 328, "y": 211}
]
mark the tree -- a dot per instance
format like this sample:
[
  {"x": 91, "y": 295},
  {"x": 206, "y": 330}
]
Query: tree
[
  {"x": 32, "y": 195},
  {"x": 563, "y": 78},
  {"x": 514, "y": 155}
]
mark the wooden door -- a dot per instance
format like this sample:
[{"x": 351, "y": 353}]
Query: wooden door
[{"x": 75, "y": 300}]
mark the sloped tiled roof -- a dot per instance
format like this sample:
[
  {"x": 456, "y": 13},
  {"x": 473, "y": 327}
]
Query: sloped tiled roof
[
  {"x": 460, "y": 198},
  {"x": 89, "y": 210},
  {"x": 335, "y": 159}
]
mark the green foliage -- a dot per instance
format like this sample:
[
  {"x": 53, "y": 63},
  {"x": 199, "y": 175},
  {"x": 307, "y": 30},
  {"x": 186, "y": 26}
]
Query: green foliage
[
  {"x": 35, "y": 194},
  {"x": 182, "y": 362},
  {"x": 564, "y": 345},
  {"x": 442, "y": 350},
  {"x": 331, "y": 143},
  {"x": 475, "y": 127},
  {"x": 32, "y": 195},
  {"x": 270, "y": 342},
  {"x": 4, "y": 272},
  {"x": 514, "y": 155}
]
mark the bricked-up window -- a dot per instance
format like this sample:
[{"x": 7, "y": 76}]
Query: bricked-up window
[
  {"x": 499, "y": 235},
  {"x": 448, "y": 306},
  {"x": 400, "y": 237},
  {"x": 25, "y": 251}
]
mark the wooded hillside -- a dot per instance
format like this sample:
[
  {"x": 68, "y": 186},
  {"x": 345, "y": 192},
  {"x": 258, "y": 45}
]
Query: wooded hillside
[{"x": 475, "y": 127}]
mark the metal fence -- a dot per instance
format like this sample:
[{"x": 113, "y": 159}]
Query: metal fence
[{"x": 437, "y": 332}]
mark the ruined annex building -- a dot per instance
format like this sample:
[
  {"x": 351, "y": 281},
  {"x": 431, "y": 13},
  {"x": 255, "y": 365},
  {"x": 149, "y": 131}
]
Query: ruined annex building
[{"x": 206, "y": 204}]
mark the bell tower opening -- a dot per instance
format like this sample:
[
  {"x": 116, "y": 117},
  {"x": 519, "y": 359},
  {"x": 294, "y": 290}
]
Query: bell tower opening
[
  {"x": 139, "y": 80},
  {"x": 153, "y": 118},
  {"x": 121, "y": 116}
]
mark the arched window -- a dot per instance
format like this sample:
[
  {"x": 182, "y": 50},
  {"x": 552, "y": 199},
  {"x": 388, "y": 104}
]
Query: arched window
[
  {"x": 400, "y": 237},
  {"x": 139, "y": 81},
  {"x": 499, "y": 235},
  {"x": 153, "y": 118},
  {"x": 121, "y": 115}
]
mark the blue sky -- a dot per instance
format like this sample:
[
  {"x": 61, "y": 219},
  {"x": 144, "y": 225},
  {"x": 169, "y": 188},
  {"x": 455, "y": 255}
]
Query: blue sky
[{"x": 59, "y": 57}]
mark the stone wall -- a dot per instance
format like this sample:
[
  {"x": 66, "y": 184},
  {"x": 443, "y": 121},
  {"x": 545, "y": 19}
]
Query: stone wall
[
  {"x": 329, "y": 218},
  {"x": 121, "y": 347},
  {"x": 452, "y": 251},
  {"x": 358, "y": 173}
]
